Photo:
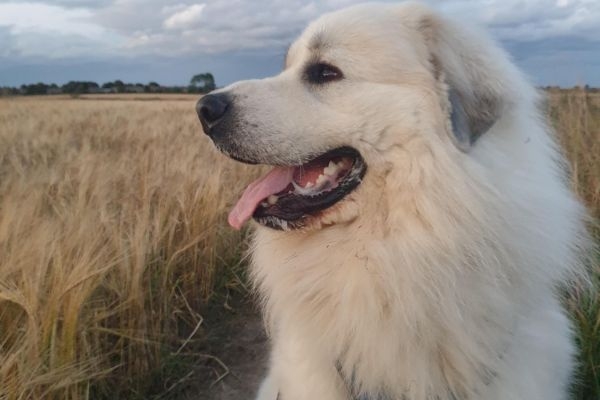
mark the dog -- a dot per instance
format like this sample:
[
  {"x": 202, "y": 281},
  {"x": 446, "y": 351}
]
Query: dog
[{"x": 417, "y": 221}]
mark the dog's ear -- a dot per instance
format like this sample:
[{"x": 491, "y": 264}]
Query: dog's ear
[{"x": 470, "y": 82}]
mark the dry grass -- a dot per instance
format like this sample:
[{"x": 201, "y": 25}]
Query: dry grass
[
  {"x": 576, "y": 117},
  {"x": 111, "y": 233},
  {"x": 112, "y": 236}
]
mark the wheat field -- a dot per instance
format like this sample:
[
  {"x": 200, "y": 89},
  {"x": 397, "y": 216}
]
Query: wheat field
[
  {"x": 113, "y": 238},
  {"x": 111, "y": 233}
]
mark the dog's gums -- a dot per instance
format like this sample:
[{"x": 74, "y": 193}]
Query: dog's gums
[{"x": 287, "y": 196}]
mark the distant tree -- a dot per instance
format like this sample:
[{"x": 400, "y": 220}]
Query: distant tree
[
  {"x": 152, "y": 87},
  {"x": 71, "y": 87},
  {"x": 202, "y": 83},
  {"x": 117, "y": 86},
  {"x": 8, "y": 91},
  {"x": 120, "y": 86},
  {"x": 34, "y": 89},
  {"x": 79, "y": 87}
]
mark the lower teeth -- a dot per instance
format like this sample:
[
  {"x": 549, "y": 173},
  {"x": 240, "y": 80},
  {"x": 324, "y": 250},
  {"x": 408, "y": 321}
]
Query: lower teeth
[{"x": 309, "y": 190}]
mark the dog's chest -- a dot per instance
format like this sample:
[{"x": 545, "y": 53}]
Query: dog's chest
[{"x": 381, "y": 325}]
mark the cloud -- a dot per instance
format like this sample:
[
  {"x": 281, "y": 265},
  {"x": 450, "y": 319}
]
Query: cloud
[
  {"x": 178, "y": 28},
  {"x": 69, "y": 3},
  {"x": 6, "y": 43},
  {"x": 21, "y": 17},
  {"x": 565, "y": 61},
  {"x": 185, "y": 18},
  {"x": 533, "y": 19},
  {"x": 169, "y": 71},
  {"x": 164, "y": 27},
  {"x": 39, "y": 29},
  {"x": 184, "y": 29}
]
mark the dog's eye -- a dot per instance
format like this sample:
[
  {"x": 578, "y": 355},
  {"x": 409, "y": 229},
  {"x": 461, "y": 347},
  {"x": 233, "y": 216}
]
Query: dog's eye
[{"x": 323, "y": 73}]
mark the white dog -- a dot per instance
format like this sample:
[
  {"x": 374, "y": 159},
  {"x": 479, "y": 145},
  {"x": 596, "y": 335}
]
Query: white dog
[{"x": 417, "y": 222}]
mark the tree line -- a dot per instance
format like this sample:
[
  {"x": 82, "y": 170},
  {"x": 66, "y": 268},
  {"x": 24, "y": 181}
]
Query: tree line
[{"x": 200, "y": 83}]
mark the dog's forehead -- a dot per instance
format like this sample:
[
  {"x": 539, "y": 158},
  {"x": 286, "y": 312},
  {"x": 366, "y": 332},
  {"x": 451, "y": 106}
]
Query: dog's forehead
[
  {"x": 312, "y": 45},
  {"x": 350, "y": 31}
]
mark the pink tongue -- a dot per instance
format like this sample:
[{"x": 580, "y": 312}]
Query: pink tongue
[{"x": 274, "y": 182}]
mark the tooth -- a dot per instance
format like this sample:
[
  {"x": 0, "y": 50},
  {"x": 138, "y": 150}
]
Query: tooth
[
  {"x": 331, "y": 169},
  {"x": 272, "y": 199},
  {"x": 309, "y": 185},
  {"x": 264, "y": 204},
  {"x": 301, "y": 190},
  {"x": 321, "y": 180}
]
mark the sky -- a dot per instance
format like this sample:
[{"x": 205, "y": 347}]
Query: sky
[{"x": 556, "y": 42}]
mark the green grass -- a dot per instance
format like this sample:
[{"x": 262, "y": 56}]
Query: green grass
[{"x": 576, "y": 117}]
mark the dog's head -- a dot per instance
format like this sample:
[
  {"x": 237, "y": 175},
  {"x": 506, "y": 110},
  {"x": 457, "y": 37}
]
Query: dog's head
[{"x": 365, "y": 91}]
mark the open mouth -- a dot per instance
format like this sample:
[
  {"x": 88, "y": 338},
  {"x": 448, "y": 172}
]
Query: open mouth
[{"x": 287, "y": 196}]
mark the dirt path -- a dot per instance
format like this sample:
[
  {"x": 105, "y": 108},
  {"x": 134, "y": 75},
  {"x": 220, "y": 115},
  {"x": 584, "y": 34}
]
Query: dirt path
[{"x": 238, "y": 340}]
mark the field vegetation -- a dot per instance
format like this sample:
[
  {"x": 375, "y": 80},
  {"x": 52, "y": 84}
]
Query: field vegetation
[
  {"x": 575, "y": 115},
  {"x": 113, "y": 241}
]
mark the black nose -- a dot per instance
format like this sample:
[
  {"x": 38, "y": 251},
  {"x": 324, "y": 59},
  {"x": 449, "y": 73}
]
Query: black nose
[{"x": 211, "y": 109}]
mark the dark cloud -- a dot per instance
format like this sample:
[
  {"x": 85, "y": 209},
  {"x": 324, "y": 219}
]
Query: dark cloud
[
  {"x": 226, "y": 67},
  {"x": 555, "y": 41},
  {"x": 565, "y": 61},
  {"x": 6, "y": 44}
]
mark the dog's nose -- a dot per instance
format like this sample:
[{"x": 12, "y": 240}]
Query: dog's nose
[{"x": 211, "y": 109}]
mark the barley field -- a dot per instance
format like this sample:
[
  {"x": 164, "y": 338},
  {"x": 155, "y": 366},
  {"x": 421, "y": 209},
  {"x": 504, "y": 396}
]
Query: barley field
[{"x": 113, "y": 240}]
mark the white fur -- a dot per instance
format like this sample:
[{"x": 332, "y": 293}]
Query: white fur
[{"x": 436, "y": 278}]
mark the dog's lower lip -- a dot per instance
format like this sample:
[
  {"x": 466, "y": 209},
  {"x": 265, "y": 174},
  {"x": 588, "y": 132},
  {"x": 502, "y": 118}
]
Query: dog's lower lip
[
  {"x": 242, "y": 160},
  {"x": 291, "y": 210}
]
